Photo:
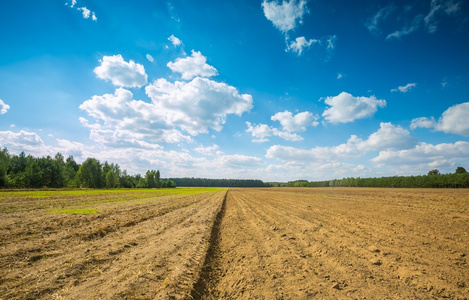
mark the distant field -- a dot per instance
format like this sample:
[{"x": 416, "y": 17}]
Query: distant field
[{"x": 245, "y": 243}]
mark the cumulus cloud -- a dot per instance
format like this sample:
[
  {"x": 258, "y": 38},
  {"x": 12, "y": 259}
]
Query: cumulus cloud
[
  {"x": 426, "y": 154},
  {"x": 453, "y": 120},
  {"x": 260, "y": 132},
  {"x": 85, "y": 11},
  {"x": 286, "y": 15},
  {"x": 24, "y": 140},
  {"x": 210, "y": 103},
  {"x": 405, "y": 88},
  {"x": 209, "y": 151},
  {"x": 32, "y": 144},
  {"x": 291, "y": 154},
  {"x": 123, "y": 121},
  {"x": 120, "y": 72},
  {"x": 423, "y": 122},
  {"x": 299, "y": 44},
  {"x": 388, "y": 137},
  {"x": 299, "y": 122},
  {"x": 174, "y": 40},
  {"x": 346, "y": 108},
  {"x": 193, "y": 66},
  {"x": 3, "y": 107}
]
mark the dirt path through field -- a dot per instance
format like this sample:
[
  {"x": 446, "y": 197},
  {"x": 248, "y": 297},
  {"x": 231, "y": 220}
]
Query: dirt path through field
[{"x": 340, "y": 244}]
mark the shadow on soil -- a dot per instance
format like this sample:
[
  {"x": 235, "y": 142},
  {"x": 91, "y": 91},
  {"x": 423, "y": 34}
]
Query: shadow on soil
[{"x": 200, "y": 289}]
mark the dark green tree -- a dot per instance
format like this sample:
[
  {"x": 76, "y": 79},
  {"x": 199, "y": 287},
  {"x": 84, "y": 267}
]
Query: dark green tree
[
  {"x": 460, "y": 170},
  {"x": 4, "y": 165},
  {"x": 90, "y": 173}
]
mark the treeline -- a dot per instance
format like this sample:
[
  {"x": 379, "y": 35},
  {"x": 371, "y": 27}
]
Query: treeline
[
  {"x": 26, "y": 171},
  {"x": 205, "y": 182},
  {"x": 459, "y": 179}
]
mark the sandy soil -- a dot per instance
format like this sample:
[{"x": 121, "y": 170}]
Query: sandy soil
[
  {"x": 340, "y": 244},
  {"x": 272, "y": 243},
  {"x": 145, "y": 249}
]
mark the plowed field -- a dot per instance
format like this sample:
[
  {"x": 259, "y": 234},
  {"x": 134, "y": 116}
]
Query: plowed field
[
  {"x": 272, "y": 243},
  {"x": 340, "y": 244},
  {"x": 148, "y": 245}
]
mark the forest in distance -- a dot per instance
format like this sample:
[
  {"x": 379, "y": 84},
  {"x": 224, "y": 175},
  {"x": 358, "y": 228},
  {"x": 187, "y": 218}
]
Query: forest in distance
[{"x": 26, "y": 171}]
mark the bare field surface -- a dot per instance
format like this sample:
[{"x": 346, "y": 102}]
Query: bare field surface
[
  {"x": 104, "y": 244},
  {"x": 340, "y": 243},
  {"x": 271, "y": 243}
]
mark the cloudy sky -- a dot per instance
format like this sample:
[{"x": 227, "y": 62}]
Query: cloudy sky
[{"x": 271, "y": 90}]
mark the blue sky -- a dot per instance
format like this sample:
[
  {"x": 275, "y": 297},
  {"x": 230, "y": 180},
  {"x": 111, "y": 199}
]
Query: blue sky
[{"x": 271, "y": 90}]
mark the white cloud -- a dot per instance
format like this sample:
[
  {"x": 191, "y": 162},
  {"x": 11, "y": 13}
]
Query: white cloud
[
  {"x": 23, "y": 140},
  {"x": 299, "y": 44},
  {"x": 423, "y": 122},
  {"x": 285, "y": 16},
  {"x": 209, "y": 102},
  {"x": 340, "y": 75},
  {"x": 317, "y": 154},
  {"x": 208, "y": 151},
  {"x": 193, "y": 66},
  {"x": 453, "y": 120},
  {"x": 437, "y": 7},
  {"x": 346, "y": 108},
  {"x": 299, "y": 122},
  {"x": 150, "y": 58},
  {"x": 330, "y": 42},
  {"x": 260, "y": 132},
  {"x": 120, "y": 72},
  {"x": 122, "y": 121},
  {"x": 452, "y": 7},
  {"x": 429, "y": 21},
  {"x": 405, "y": 88},
  {"x": 85, "y": 11},
  {"x": 372, "y": 24},
  {"x": 73, "y": 3},
  {"x": 427, "y": 155},
  {"x": 239, "y": 161},
  {"x": 3, "y": 107},
  {"x": 389, "y": 137},
  {"x": 174, "y": 40},
  {"x": 414, "y": 26}
]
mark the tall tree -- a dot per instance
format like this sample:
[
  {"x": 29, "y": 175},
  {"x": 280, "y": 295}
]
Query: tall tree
[{"x": 90, "y": 173}]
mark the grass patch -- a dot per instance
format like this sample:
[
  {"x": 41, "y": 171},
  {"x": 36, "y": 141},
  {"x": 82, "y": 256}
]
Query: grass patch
[{"x": 76, "y": 211}]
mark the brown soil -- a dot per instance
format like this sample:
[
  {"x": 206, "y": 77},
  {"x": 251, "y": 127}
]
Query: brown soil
[
  {"x": 145, "y": 249},
  {"x": 275, "y": 243},
  {"x": 340, "y": 244}
]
